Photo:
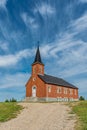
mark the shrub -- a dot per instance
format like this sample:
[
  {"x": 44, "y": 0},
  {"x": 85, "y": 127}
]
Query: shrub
[
  {"x": 6, "y": 100},
  {"x": 81, "y": 98},
  {"x": 13, "y": 100}
]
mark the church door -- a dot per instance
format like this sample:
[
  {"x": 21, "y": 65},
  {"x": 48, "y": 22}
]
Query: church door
[{"x": 34, "y": 91}]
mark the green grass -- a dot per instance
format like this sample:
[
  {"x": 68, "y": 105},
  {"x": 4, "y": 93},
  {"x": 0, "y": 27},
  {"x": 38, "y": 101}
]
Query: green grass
[
  {"x": 80, "y": 108},
  {"x": 9, "y": 110}
]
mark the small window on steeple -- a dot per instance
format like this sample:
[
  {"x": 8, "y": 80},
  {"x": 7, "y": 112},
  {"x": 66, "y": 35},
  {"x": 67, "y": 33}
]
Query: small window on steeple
[
  {"x": 34, "y": 70},
  {"x": 40, "y": 69}
]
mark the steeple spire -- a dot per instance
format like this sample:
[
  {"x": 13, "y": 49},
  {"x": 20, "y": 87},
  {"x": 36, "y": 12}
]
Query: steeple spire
[{"x": 38, "y": 57}]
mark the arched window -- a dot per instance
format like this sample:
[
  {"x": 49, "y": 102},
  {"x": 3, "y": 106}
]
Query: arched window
[
  {"x": 49, "y": 89},
  {"x": 59, "y": 90},
  {"x": 75, "y": 91},
  {"x": 70, "y": 91},
  {"x": 65, "y": 90}
]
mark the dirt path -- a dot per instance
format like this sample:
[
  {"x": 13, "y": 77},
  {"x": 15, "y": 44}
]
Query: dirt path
[{"x": 42, "y": 116}]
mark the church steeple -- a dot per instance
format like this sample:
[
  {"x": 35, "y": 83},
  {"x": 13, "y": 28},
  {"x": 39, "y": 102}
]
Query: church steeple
[
  {"x": 37, "y": 66},
  {"x": 38, "y": 57}
]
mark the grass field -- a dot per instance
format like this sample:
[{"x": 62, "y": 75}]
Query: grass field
[
  {"x": 8, "y": 111},
  {"x": 80, "y": 108}
]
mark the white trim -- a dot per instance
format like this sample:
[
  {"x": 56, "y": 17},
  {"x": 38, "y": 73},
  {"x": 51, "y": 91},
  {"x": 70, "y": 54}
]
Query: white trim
[
  {"x": 49, "y": 99},
  {"x": 34, "y": 91}
]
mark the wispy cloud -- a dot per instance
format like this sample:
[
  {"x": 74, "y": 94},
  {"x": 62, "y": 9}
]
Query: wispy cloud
[
  {"x": 3, "y": 4},
  {"x": 7, "y": 31},
  {"x": 13, "y": 85},
  {"x": 80, "y": 24},
  {"x": 45, "y": 50},
  {"x": 19, "y": 80},
  {"x": 70, "y": 56},
  {"x": 45, "y": 9},
  {"x": 82, "y": 83},
  {"x": 75, "y": 70},
  {"x": 83, "y": 1},
  {"x": 69, "y": 52},
  {"x": 29, "y": 21},
  {"x": 13, "y": 59},
  {"x": 4, "y": 46}
]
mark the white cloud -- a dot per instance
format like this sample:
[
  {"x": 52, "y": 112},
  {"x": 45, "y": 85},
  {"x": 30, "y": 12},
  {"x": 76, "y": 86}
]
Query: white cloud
[
  {"x": 81, "y": 83},
  {"x": 83, "y": 1},
  {"x": 5, "y": 29},
  {"x": 9, "y": 33},
  {"x": 73, "y": 60},
  {"x": 3, "y": 46},
  {"x": 73, "y": 57},
  {"x": 14, "y": 80},
  {"x": 3, "y": 3},
  {"x": 12, "y": 59},
  {"x": 79, "y": 24},
  {"x": 29, "y": 21},
  {"x": 45, "y": 9},
  {"x": 64, "y": 44},
  {"x": 45, "y": 50},
  {"x": 75, "y": 70}
]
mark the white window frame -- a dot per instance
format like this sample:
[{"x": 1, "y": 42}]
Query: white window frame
[
  {"x": 59, "y": 90},
  {"x": 75, "y": 92},
  {"x": 49, "y": 89},
  {"x": 65, "y": 90},
  {"x": 71, "y": 91},
  {"x": 34, "y": 79}
]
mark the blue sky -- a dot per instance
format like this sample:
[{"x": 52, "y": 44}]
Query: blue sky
[{"x": 61, "y": 28}]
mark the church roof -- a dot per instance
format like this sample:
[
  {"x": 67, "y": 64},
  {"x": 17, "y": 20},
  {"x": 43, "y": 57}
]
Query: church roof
[
  {"x": 56, "y": 81},
  {"x": 37, "y": 57}
]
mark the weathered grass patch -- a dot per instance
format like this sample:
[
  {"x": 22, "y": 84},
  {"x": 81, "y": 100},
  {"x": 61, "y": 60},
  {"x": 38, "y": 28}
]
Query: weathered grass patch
[
  {"x": 9, "y": 110},
  {"x": 80, "y": 109}
]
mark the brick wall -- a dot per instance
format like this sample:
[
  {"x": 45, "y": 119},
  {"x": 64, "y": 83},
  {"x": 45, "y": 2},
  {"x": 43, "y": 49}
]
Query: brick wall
[{"x": 40, "y": 87}]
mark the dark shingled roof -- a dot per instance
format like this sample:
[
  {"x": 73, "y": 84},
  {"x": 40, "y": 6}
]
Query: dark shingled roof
[
  {"x": 37, "y": 57},
  {"x": 56, "y": 81}
]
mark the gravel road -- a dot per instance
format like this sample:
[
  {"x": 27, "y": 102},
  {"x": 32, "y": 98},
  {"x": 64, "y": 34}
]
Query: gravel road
[{"x": 42, "y": 116}]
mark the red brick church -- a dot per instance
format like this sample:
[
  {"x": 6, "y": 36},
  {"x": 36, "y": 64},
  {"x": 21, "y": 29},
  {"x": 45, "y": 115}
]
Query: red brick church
[{"x": 43, "y": 87}]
